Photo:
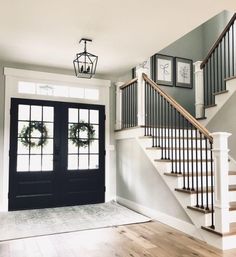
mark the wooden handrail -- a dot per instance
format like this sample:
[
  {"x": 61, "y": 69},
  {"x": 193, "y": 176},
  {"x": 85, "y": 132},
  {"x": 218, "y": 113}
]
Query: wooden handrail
[
  {"x": 227, "y": 28},
  {"x": 129, "y": 83},
  {"x": 179, "y": 108}
]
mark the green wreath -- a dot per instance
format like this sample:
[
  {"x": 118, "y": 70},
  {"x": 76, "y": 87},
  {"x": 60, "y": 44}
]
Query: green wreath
[
  {"x": 25, "y": 134},
  {"x": 74, "y": 134}
]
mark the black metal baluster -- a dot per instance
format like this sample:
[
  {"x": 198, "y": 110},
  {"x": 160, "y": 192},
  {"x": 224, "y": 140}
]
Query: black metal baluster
[
  {"x": 168, "y": 131},
  {"x": 156, "y": 116},
  {"x": 207, "y": 185},
  {"x": 183, "y": 158},
  {"x": 172, "y": 138},
  {"x": 192, "y": 150},
  {"x": 179, "y": 145},
  {"x": 145, "y": 107},
  {"x": 188, "y": 162},
  {"x": 224, "y": 62},
  {"x": 196, "y": 154},
  {"x": 201, "y": 159},
  {"x": 153, "y": 115},
  {"x": 228, "y": 53},
  {"x": 221, "y": 69},
  {"x": 212, "y": 191},
  {"x": 159, "y": 118},
  {"x": 233, "y": 45}
]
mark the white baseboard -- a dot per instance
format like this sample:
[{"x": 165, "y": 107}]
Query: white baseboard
[{"x": 171, "y": 221}]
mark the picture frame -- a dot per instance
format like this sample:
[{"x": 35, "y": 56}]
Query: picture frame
[
  {"x": 164, "y": 70},
  {"x": 184, "y": 72}
]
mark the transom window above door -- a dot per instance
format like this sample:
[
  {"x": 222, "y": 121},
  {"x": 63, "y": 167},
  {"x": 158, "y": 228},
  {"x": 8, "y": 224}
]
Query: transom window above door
[{"x": 33, "y": 88}]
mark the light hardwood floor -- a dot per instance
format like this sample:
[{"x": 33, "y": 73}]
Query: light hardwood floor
[{"x": 151, "y": 239}]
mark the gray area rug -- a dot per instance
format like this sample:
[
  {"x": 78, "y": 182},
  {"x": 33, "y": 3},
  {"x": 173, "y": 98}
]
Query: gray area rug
[{"x": 29, "y": 223}]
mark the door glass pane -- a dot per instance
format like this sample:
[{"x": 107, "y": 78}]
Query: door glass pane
[
  {"x": 23, "y": 163},
  {"x": 36, "y": 113},
  {"x": 96, "y": 128},
  {"x": 94, "y": 118},
  {"x": 72, "y": 162},
  {"x": 21, "y": 148},
  {"x": 83, "y": 162},
  {"x": 47, "y": 162},
  {"x": 72, "y": 148},
  {"x": 94, "y": 164},
  {"x": 49, "y": 127},
  {"x": 23, "y": 112},
  {"x": 94, "y": 146},
  {"x": 73, "y": 115},
  {"x": 35, "y": 162},
  {"x": 48, "y": 113},
  {"x": 83, "y": 115},
  {"x": 48, "y": 147}
]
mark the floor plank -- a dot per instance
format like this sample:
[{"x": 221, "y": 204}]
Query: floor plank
[{"x": 151, "y": 239}]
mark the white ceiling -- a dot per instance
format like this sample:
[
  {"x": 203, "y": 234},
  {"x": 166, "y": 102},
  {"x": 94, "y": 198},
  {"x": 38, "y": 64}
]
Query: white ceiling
[{"x": 124, "y": 32}]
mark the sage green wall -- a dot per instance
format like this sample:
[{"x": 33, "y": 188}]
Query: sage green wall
[{"x": 195, "y": 45}]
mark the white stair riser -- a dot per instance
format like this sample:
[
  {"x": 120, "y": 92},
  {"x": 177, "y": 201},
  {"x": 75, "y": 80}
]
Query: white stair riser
[
  {"x": 188, "y": 166},
  {"x": 232, "y": 216},
  {"x": 180, "y": 154},
  {"x": 232, "y": 196},
  {"x": 200, "y": 219},
  {"x": 180, "y": 182},
  {"x": 147, "y": 142},
  {"x": 232, "y": 180},
  {"x": 191, "y": 199},
  {"x": 173, "y": 132}
]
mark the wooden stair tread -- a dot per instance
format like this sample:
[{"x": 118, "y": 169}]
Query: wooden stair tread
[
  {"x": 177, "y": 148},
  {"x": 221, "y": 92},
  {"x": 181, "y": 175},
  {"x": 232, "y": 206},
  {"x": 209, "y": 106},
  {"x": 181, "y": 190},
  {"x": 232, "y": 187},
  {"x": 201, "y": 118},
  {"x": 232, "y": 230},
  {"x": 198, "y": 209},
  {"x": 232, "y": 173},
  {"x": 194, "y": 138},
  {"x": 167, "y": 160}
]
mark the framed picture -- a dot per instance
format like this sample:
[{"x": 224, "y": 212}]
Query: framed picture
[
  {"x": 164, "y": 70},
  {"x": 184, "y": 72}
]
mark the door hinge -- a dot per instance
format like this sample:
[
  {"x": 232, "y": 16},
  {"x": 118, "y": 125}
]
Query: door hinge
[
  {"x": 104, "y": 189},
  {"x": 105, "y": 152}
]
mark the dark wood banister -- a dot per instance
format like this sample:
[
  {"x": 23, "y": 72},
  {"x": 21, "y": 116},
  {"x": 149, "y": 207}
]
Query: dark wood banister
[
  {"x": 218, "y": 41},
  {"x": 179, "y": 108},
  {"x": 129, "y": 83}
]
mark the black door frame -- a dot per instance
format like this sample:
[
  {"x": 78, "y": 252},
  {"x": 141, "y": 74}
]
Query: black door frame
[{"x": 60, "y": 149}]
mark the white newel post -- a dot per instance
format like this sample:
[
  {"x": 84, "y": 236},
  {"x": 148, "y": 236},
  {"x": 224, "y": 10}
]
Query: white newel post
[
  {"x": 118, "y": 105},
  {"x": 141, "y": 95},
  {"x": 199, "y": 90},
  {"x": 221, "y": 192}
]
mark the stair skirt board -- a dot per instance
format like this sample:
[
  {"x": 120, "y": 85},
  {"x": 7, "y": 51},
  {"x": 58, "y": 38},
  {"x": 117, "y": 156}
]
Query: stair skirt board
[{"x": 164, "y": 218}]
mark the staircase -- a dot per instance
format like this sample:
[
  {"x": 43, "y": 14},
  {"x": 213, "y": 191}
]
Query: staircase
[{"x": 193, "y": 163}]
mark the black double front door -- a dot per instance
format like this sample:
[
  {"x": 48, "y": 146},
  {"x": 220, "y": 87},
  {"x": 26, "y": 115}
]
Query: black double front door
[{"x": 57, "y": 154}]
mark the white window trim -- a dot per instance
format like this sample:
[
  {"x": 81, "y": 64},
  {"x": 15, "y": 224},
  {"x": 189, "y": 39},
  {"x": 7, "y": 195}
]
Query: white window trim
[{"x": 12, "y": 77}]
